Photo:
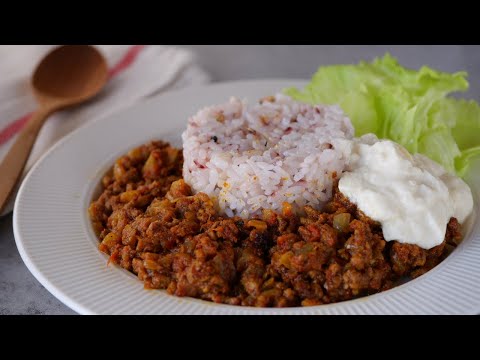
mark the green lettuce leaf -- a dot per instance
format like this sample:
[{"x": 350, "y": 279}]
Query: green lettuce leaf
[{"x": 407, "y": 106}]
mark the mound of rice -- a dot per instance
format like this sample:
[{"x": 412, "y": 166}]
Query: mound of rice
[{"x": 258, "y": 156}]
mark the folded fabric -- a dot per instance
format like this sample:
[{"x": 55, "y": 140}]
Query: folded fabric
[{"x": 136, "y": 72}]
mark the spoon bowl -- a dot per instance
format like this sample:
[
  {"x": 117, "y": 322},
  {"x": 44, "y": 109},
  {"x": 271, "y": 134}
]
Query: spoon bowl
[{"x": 70, "y": 74}]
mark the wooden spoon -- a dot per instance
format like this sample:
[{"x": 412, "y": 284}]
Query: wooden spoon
[{"x": 67, "y": 76}]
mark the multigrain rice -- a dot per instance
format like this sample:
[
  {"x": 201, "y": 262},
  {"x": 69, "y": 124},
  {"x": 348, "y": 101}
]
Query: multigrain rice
[{"x": 254, "y": 156}]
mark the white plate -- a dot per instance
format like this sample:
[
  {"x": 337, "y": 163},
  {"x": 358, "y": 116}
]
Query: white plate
[{"x": 56, "y": 242}]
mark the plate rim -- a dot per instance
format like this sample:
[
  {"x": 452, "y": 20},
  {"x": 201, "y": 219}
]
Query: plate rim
[{"x": 82, "y": 309}]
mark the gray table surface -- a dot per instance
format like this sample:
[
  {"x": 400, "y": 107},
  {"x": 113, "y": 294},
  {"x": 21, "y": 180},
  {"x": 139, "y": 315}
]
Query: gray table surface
[{"x": 21, "y": 293}]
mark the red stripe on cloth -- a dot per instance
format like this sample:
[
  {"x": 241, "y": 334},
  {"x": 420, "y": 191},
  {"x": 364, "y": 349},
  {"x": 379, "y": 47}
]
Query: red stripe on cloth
[
  {"x": 14, "y": 127},
  {"x": 125, "y": 62}
]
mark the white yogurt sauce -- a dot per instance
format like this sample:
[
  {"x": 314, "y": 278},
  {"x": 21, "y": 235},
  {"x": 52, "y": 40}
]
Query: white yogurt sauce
[{"x": 411, "y": 196}]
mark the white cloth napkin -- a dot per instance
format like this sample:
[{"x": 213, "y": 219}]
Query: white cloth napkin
[{"x": 136, "y": 71}]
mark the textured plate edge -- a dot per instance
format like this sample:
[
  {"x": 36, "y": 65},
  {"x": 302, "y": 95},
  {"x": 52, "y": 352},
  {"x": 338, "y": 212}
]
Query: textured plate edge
[{"x": 35, "y": 271}]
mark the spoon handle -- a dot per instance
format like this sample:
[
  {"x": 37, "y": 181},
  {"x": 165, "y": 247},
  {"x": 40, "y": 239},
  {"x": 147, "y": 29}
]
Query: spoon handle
[{"x": 12, "y": 165}]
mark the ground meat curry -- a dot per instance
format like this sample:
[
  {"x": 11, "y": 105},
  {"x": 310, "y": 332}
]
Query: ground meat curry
[{"x": 149, "y": 222}]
